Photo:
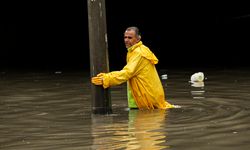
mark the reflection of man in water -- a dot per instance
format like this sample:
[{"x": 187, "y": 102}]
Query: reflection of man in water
[
  {"x": 145, "y": 90},
  {"x": 146, "y": 129}
]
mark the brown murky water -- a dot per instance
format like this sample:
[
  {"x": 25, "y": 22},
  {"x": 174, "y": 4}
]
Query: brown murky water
[{"x": 52, "y": 111}]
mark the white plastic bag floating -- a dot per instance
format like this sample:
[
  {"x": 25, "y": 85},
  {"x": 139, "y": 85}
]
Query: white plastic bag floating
[
  {"x": 164, "y": 76},
  {"x": 197, "y": 84},
  {"x": 197, "y": 77}
]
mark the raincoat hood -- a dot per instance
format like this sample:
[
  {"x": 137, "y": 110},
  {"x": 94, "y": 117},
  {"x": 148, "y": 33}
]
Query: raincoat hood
[{"x": 145, "y": 52}]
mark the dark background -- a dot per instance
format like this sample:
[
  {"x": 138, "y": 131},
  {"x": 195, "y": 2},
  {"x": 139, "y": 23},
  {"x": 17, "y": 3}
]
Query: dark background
[{"x": 54, "y": 34}]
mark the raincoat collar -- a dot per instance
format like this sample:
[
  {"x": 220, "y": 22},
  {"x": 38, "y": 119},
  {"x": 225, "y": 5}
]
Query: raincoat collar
[
  {"x": 146, "y": 53},
  {"x": 134, "y": 46}
]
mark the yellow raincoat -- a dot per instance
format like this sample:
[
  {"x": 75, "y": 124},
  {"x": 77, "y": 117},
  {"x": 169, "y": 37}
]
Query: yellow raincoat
[{"x": 143, "y": 80}]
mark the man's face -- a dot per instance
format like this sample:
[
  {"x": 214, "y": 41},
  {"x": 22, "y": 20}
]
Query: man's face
[{"x": 130, "y": 38}]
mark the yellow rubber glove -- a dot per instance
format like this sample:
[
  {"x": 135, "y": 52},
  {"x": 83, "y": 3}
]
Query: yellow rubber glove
[
  {"x": 98, "y": 80},
  {"x": 100, "y": 74}
]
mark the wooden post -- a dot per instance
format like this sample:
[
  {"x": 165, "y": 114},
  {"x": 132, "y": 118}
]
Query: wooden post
[{"x": 98, "y": 44}]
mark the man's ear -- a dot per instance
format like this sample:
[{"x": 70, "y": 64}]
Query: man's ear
[{"x": 139, "y": 38}]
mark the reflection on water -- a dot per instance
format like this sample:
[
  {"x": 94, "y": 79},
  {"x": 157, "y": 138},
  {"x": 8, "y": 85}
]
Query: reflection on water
[
  {"x": 147, "y": 129},
  {"x": 141, "y": 130},
  {"x": 51, "y": 110},
  {"x": 198, "y": 90}
]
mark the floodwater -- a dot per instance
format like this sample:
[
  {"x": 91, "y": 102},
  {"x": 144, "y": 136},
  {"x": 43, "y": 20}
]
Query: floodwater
[{"x": 51, "y": 110}]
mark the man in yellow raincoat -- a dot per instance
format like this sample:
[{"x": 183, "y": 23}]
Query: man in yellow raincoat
[{"x": 145, "y": 90}]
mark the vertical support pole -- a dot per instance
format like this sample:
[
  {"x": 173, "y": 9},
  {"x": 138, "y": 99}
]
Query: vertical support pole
[{"x": 98, "y": 44}]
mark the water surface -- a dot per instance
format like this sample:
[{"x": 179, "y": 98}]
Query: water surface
[{"x": 52, "y": 110}]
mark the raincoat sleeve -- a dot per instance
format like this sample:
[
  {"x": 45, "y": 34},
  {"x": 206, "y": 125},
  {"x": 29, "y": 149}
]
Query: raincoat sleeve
[{"x": 118, "y": 77}]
